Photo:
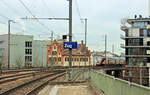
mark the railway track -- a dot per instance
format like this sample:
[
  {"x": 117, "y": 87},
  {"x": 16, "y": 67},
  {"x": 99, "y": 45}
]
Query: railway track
[
  {"x": 15, "y": 77},
  {"x": 29, "y": 87},
  {"x": 21, "y": 70}
]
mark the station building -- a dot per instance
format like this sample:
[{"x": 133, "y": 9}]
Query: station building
[{"x": 60, "y": 57}]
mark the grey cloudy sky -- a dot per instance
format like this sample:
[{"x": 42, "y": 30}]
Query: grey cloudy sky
[{"x": 103, "y": 18}]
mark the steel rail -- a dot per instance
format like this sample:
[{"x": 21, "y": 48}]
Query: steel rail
[
  {"x": 26, "y": 83},
  {"x": 44, "y": 83}
]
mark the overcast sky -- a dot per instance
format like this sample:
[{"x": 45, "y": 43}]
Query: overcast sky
[{"x": 103, "y": 18}]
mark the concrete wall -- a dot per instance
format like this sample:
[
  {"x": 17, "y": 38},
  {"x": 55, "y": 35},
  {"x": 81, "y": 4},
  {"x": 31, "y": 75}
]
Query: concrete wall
[
  {"x": 17, "y": 49},
  {"x": 114, "y": 86},
  {"x": 134, "y": 32},
  {"x": 39, "y": 53},
  {"x": 4, "y": 49}
]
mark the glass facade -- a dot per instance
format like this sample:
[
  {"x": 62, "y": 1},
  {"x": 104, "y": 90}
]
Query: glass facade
[
  {"x": 140, "y": 24},
  {"x": 134, "y": 42}
]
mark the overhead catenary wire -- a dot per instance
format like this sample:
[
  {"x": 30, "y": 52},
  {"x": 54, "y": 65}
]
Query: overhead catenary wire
[
  {"x": 4, "y": 16},
  {"x": 8, "y": 18},
  {"x": 33, "y": 14},
  {"x": 8, "y": 6},
  {"x": 48, "y": 10},
  {"x": 78, "y": 11},
  {"x": 15, "y": 27}
]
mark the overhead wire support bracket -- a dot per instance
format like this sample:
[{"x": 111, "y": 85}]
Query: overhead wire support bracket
[{"x": 44, "y": 18}]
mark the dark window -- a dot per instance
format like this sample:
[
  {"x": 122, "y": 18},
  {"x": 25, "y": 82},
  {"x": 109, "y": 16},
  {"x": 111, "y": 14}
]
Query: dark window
[
  {"x": 54, "y": 53},
  {"x": 28, "y": 58},
  {"x": 54, "y": 47},
  {"x": 148, "y": 43},
  {"x": 81, "y": 59},
  {"x": 126, "y": 31},
  {"x": 148, "y": 32},
  {"x": 141, "y": 33},
  {"x": 75, "y": 59},
  {"x": 148, "y": 60},
  {"x": 28, "y": 44},
  {"x": 28, "y": 51},
  {"x": 59, "y": 59},
  {"x": 66, "y": 59}
]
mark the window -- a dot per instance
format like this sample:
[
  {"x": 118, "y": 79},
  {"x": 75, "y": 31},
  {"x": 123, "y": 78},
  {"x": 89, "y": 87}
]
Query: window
[
  {"x": 81, "y": 59},
  {"x": 141, "y": 33},
  {"x": 127, "y": 33},
  {"x": 54, "y": 47},
  {"x": 66, "y": 59},
  {"x": 59, "y": 59},
  {"x": 1, "y": 42},
  {"x": 54, "y": 53},
  {"x": 148, "y": 43},
  {"x": 28, "y": 58},
  {"x": 28, "y": 44},
  {"x": 139, "y": 24},
  {"x": 148, "y": 32},
  {"x": 28, "y": 51},
  {"x": 75, "y": 59}
]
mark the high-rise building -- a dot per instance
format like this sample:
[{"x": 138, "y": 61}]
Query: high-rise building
[{"x": 137, "y": 41}]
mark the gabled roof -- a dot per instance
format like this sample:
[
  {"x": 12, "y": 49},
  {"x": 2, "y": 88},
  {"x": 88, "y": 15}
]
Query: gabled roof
[{"x": 79, "y": 51}]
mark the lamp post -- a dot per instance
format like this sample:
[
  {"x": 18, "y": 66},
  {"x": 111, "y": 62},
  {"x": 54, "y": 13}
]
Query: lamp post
[
  {"x": 85, "y": 20},
  {"x": 9, "y": 21}
]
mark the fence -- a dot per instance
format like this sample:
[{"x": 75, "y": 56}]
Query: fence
[
  {"x": 114, "y": 86},
  {"x": 79, "y": 74}
]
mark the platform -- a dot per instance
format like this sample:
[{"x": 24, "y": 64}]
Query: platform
[{"x": 67, "y": 90}]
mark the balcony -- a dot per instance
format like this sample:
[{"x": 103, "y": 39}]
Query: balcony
[
  {"x": 124, "y": 28},
  {"x": 124, "y": 46},
  {"x": 134, "y": 46},
  {"x": 129, "y": 37},
  {"x": 136, "y": 56},
  {"x": 122, "y": 37}
]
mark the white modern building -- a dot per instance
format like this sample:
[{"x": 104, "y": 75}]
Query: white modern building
[{"x": 24, "y": 51}]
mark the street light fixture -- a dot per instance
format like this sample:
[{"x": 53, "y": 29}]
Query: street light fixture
[
  {"x": 9, "y": 21},
  {"x": 85, "y": 53}
]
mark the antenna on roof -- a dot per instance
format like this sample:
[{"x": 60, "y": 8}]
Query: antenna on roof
[{"x": 135, "y": 16}]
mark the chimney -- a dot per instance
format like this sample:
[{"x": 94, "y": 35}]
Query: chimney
[{"x": 82, "y": 42}]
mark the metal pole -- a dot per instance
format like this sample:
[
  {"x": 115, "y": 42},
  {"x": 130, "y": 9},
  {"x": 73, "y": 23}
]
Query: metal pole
[
  {"x": 70, "y": 32},
  {"x": 85, "y": 38},
  {"x": 113, "y": 50},
  {"x": 105, "y": 49},
  {"x": 51, "y": 47},
  {"x": 70, "y": 36},
  {"x": 9, "y": 43}
]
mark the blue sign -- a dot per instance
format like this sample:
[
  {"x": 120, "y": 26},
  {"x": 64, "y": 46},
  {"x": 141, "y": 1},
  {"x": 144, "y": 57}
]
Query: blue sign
[{"x": 70, "y": 45}]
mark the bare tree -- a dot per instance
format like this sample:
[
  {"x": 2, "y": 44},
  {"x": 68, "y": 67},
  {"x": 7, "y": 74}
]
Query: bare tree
[
  {"x": 19, "y": 62},
  {"x": 1, "y": 63}
]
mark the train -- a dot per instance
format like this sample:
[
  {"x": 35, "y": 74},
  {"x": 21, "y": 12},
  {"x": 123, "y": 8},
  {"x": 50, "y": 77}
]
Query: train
[{"x": 110, "y": 60}]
